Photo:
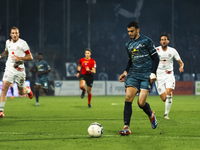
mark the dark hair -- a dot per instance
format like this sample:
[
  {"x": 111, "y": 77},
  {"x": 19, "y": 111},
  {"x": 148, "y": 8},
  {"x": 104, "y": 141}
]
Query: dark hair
[
  {"x": 14, "y": 28},
  {"x": 40, "y": 54},
  {"x": 133, "y": 24},
  {"x": 88, "y": 49},
  {"x": 165, "y": 34}
]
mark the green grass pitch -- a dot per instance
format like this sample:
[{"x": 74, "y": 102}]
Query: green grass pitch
[{"x": 60, "y": 123}]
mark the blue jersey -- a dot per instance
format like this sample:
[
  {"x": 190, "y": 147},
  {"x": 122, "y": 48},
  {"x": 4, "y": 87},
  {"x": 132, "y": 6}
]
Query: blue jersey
[
  {"x": 42, "y": 66},
  {"x": 140, "y": 52}
]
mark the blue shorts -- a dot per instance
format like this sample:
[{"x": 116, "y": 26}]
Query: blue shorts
[
  {"x": 138, "y": 82},
  {"x": 43, "y": 81}
]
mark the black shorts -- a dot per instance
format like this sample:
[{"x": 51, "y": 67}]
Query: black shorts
[{"x": 88, "y": 79}]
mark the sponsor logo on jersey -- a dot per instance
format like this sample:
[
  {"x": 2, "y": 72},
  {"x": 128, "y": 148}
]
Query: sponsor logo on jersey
[{"x": 140, "y": 45}]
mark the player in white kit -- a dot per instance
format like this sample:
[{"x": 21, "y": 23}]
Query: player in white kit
[
  {"x": 18, "y": 52},
  {"x": 165, "y": 82}
]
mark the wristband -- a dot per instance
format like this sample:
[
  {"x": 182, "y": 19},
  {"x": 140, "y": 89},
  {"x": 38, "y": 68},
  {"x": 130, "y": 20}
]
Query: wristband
[
  {"x": 78, "y": 71},
  {"x": 153, "y": 76}
]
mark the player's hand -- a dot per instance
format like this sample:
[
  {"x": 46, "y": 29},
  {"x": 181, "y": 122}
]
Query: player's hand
[
  {"x": 77, "y": 75},
  {"x": 152, "y": 77},
  {"x": 122, "y": 77},
  {"x": 16, "y": 58},
  {"x": 87, "y": 69},
  {"x": 181, "y": 69},
  {"x": 15, "y": 65}
]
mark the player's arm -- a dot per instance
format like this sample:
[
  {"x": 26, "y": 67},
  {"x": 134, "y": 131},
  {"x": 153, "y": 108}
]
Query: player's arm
[
  {"x": 44, "y": 72},
  {"x": 78, "y": 70},
  {"x": 156, "y": 60},
  {"x": 124, "y": 74},
  {"x": 28, "y": 57},
  {"x": 32, "y": 70},
  {"x": 48, "y": 69},
  {"x": 5, "y": 53},
  {"x": 181, "y": 65},
  {"x": 93, "y": 70},
  {"x": 128, "y": 66}
]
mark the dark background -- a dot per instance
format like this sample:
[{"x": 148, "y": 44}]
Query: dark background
[{"x": 61, "y": 30}]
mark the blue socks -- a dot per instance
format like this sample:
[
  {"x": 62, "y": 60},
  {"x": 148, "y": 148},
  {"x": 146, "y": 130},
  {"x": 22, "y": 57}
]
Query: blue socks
[
  {"x": 127, "y": 113},
  {"x": 146, "y": 108}
]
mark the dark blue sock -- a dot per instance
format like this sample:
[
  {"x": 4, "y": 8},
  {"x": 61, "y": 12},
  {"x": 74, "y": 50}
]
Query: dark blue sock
[
  {"x": 37, "y": 96},
  {"x": 146, "y": 108},
  {"x": 127, "y": 113},
  {"x": 12, "y": 90}
]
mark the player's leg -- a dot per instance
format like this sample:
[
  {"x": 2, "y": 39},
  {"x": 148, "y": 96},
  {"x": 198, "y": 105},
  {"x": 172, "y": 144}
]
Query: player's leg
[
  {"x": 22, "y": 89},
  {"x": 7, "y": 80},
  {"x": 144, "y": 92},
  {"x": 142, "y": 102},
  {"x": 5, "y": 87},
  {"x": 160, "y": 85},
  {"x": 37, "y": 93},
  {"x": 82, "y": 85},
  {"x": 38, "y": 84},
  {"x": 130, "y": 94},
  {"x": 25, "y": 90},
  {"x": 170, "y": 86},
  {"x": 89, "y": 81},
  {"x": 89, "y": 91},
  {"x": 146, "y": 107},
  {"x": 168, "y": 102},
  {"x": 12, "y": 91}
]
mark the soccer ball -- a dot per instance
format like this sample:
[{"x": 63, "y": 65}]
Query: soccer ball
[{"x": 95, "y": 130}]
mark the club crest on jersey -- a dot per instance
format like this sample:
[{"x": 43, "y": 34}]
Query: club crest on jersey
[{"x": 85, "y": 63}]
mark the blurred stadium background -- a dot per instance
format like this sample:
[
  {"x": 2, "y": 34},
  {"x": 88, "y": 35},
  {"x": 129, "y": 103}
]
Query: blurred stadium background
[{"x": 62, "y": 29}]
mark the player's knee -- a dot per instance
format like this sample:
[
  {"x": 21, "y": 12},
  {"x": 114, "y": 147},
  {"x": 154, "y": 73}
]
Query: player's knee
[
  {"x": 82, "y": 87},
  {"x": 128, "y": 98},
  {"x": 140, "y": 104},
  {"x": 163, "y": 99},
  {"x": 45, "y": 91}
]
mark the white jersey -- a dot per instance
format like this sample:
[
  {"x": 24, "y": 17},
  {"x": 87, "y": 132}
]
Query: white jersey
[
  {"x": 19, "y": 49},
  {"x": 166, "y": 60}
]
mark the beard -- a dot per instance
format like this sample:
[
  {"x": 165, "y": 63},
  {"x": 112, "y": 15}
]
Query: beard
[{"x": 164, "y": 46}]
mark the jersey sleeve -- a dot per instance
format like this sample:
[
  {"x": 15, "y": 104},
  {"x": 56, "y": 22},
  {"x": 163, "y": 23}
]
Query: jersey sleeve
[
  {"x": 94, "y": 64},
  {"x": 6, "y": 46},
  {"x": 25, "y": 48},
  {"x": 126, "y": 46},
  {"x": 79, "y": 62},
  {"x": 176, "y": 55},
  {"x": 151, "y": 47}
]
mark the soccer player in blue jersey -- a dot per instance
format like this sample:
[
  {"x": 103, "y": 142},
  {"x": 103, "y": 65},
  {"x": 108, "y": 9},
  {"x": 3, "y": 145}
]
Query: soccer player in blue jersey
[
  {"x": 42, "y": 69},
  {"x": 139, "y": 74}
]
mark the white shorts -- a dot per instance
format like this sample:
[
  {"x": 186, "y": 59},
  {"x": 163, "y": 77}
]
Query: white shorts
[
  {"x": 165, "y": 81},
  {"x": 15, "y": 76}
]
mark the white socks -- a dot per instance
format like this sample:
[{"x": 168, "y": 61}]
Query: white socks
[
  {"x": 168, "y": 104},
  {"x": 2, "y": 104}
]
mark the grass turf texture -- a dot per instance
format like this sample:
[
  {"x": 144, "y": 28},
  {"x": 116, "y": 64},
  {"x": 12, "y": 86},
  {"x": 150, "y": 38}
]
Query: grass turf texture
[{"x": 61, "y": 123}]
